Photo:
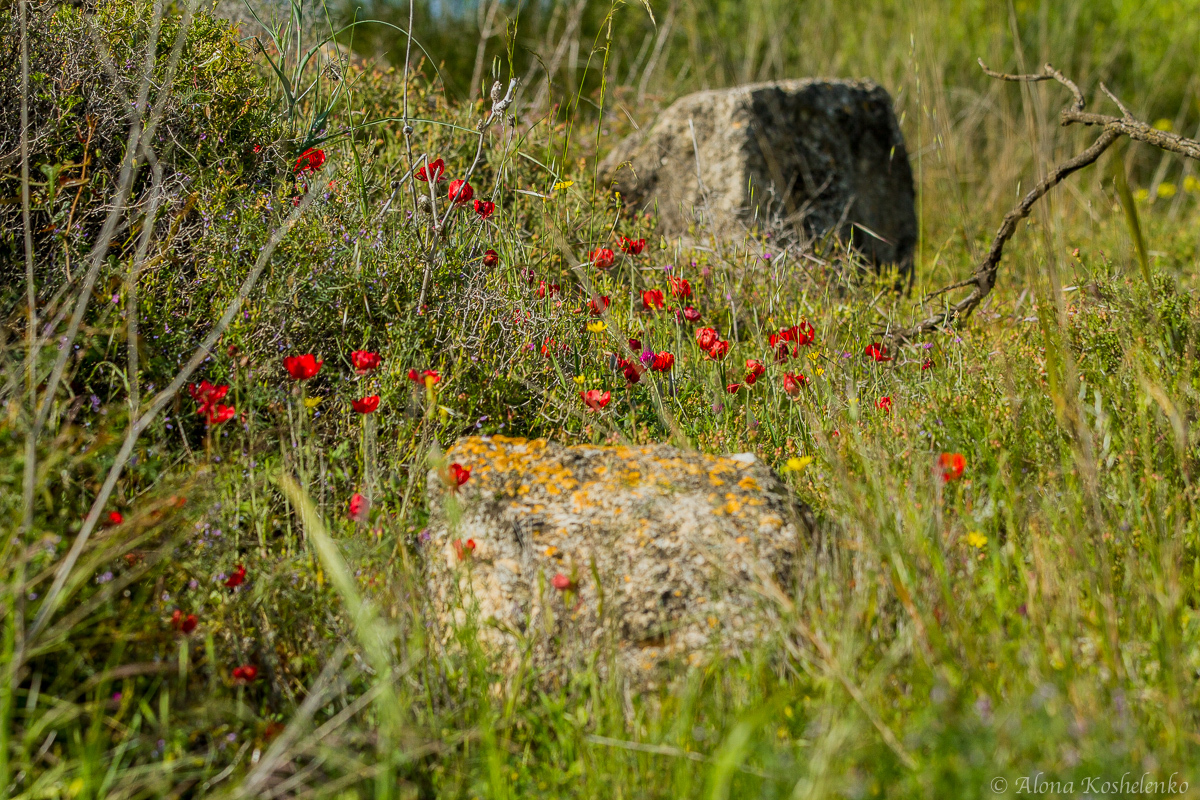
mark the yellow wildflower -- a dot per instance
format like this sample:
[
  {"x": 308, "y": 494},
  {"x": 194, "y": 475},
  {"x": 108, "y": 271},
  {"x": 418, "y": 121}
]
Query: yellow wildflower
[
  {"x": 312, "y": 402},
  {"x": 597, "y": 326},
  {"x": 796, "y": 464},
  {"x": 976, "y": 539}
]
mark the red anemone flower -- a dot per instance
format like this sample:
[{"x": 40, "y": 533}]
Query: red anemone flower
[
  {"x": 220, "y": 413},
  {"x": 635, "y": 345},
  {"x": 562, "y": 582},
  {"x": 115, "y": 518},
  {"x": 595, "y": 399},
  {"x": 631, "y": 369},
  {"x": 719, "y": 350},
  {"x": 484, "y": 208},
  {"x": 877, "y": 351},
  {"x": 365, "y": 405},
  {"x": 364, "y": 361},
  {"x": 301, "y": 368},
  {"x": 428, "y": 377},
  {"x": 237, "y": 578},
  {"x": 547, "y": 289},
  {"x": 459, "y": 474},
  {"x": 706, "y": 338},
  {"x": 691, "y": 314},
  {"x": 245, "y": 673},
  {"x": 602, "y": 258},
  {"x": 652, "y": 300},
  {"x": 952, "y": 465},
  {"x": 598, "y": 305},
  {"x": 928, "y": 364},
  {"x": 490, "y": 258},
  {"x": 680, "y": 287},
  {"x": 460, "y": 192},
  {"x": 183, "y": 624},
  {"x": 206, "y": 396},
  {"x": 793, "y": 382},
  {"x": 884, "y": 404},
  {"x": 310, "y": 160},
  {"x": 464, "y": 550},
  {"x": 733, "y": 388},
  {"x": 754, "y": 371},
  {"x": 663, "y": 362},
  {"x": 435, "y": 169},
  {"x": 358, "y": 507},
  {"x": 633, "y": 246}
]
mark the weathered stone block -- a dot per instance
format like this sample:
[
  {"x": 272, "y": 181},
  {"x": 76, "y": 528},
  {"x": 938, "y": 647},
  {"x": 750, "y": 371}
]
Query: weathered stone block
[
  {"x": 825, "y": 154},
  {"x": 667, "y": 553}
]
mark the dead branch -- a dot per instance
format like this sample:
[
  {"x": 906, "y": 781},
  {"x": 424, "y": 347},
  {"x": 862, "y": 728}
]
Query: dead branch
[{"x": 983, "y": 280}]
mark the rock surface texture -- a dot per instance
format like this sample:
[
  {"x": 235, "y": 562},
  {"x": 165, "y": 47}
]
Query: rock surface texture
[
  {"x": 826, "y": 154},
  {"x": 660, "y": 555}
]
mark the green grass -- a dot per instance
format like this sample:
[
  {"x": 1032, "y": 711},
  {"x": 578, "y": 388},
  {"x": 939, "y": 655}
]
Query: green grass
[{"x": 1036, "y": 616}]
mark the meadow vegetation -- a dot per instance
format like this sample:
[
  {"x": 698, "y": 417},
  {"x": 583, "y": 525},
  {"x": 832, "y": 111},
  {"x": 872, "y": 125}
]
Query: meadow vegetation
[{"x": 212, "y": 560}]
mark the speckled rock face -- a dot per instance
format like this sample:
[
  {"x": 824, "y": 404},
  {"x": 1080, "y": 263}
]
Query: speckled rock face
[
  {"x": 660, "y": 555},
  {"x": 826, "y": 153}
]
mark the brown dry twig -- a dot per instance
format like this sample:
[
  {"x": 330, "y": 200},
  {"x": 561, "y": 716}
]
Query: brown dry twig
[{"x": 983, "y": 280}]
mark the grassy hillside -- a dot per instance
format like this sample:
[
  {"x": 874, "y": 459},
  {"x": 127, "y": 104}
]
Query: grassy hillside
[{"x": 229, "y": 601}]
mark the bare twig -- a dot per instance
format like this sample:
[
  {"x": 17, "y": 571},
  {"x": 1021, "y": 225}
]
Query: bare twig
[{"x": 983, "y": 280}]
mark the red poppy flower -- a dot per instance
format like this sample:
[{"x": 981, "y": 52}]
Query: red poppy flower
[
  {"x": 652, "y": 300},
  {"x": 598, "y": 305},
  {"x": 183, "y": 624},
  {"x": 547, "y": 347},
  {"x": 602, "y": 258},
  {"x": 206, "y": 395},
  {"x": 635, "y": 345},
  {"x": 928, "y": 364},
  {"x": 220, "y": 413},
  {"x": 547, "y": 289},
  {"x": 310, "y": 160},
  {"x": 115, "y": 518},
  {"x": 632, "y": 370},
  {"x": 663, "y": 362},
  {"x": 460, "y": 192},
  {"x": 633, "y": 246},
  {"x": 733, "y": 388},
  {"x": 754, "y": 371},
  {"x": 358, "y": 507},
  {"x": 706, "y": 338},
  {"x": 877, "y": 352},
  {"x": 364, "y": 361},
  {"x": 793, "y": 382},
  {"x": 952, "y": 465},
  {"x": 490, "y": 258},
  {"x": 680, "y": 287},
  {"x": 691, "y": 314},
  {"x": 436, "y": 169},
  {"x": 562, "y": 582},
  {"x": 595, "y": 399},
  {"x": 884, "y": 404},
  {"x": 301, "y": 368},
  {"x": 365, "y": 405},
  {"x": 484, "y": 208},
  {"x": 459, "y": 474},
  {"x": 245, "y": 673},
  {"x": 719, "y": 350},
  {"x": 428, "y": 377},
  {"x": 237, "y": 578},
  {"x": 462, "y": 549}
]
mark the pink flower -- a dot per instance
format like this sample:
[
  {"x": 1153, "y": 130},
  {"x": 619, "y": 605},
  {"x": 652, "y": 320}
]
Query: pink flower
[
  {"x": 562, "y": 582},
  {"x": 691, "y": 314}
]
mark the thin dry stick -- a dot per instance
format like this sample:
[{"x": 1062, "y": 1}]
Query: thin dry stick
[
  {"x": 984, "y": 278},
  {"x": 159, "y": 402}
]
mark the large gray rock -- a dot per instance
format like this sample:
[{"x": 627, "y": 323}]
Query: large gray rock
[
  {"x": 827, "y": 154},
  {"x": 671, "y": 556}
]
